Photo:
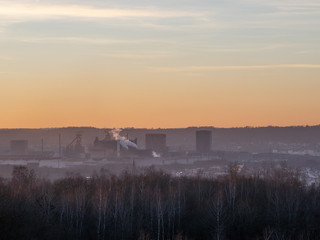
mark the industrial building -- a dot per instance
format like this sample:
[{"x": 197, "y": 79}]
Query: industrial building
[
  {"x": 114, "y": 145},
  {"x": 19, "y": 150},
  {"x": 75, "y": 147},
  {"x": 156, "y": 142},
  {"x": 203, "y": 141}
]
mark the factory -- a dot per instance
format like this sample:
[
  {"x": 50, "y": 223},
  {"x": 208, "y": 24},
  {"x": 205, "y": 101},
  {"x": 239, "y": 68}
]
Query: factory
[
  {"x": 75, "y": 149},
  {"x": 19, "y": 150},
  {"x": 114, "y": 145}
]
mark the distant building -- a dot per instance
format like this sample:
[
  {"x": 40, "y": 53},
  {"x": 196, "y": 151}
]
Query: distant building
[
  {"x": 111, "y": 147},
  {"x": 75, "y": 148},
  {"x": 19, "y": 147},
  {"x": 156, "y": 142},
  {"x": 203, "y": 141}
]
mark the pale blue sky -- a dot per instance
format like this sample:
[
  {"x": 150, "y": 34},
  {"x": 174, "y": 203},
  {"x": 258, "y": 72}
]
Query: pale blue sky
[
  {"x": 87, "y": 48},
  {"x": 211, "y": 32}
]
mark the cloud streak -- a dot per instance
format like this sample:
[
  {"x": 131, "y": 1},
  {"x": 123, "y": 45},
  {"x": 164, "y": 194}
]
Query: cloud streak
[
  {"x": 83, "y": 40},
  {"x": 6, "y": 58},
  {"x": 38, "y": 11},
  {"x": 230, "y": 67},
  {"x": 286, "y": 3},
  {"x": 125, "y": 55}
]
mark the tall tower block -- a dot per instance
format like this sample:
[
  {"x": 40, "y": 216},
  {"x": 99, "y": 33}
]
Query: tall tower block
[
  {"x": 156, "y": 142},
  {"x": 203, "y": 141}
]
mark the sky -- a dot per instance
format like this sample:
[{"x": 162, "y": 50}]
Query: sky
[{"x": 159, "y": 64}]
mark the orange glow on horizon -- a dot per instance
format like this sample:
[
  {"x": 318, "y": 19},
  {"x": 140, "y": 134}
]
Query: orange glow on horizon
[{"x": 216, "y": 99}]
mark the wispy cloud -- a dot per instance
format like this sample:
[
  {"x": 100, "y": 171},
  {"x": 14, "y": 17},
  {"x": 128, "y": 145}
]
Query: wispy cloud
[
  {"x": 289, "y": 7},
  {"x": 246, "y": 48},
  {"x": 6, "y": 58},
  {"x": 202, "y": 24},
  {"x": 286, "y": 3},
  {"x": 294, "y": 12},
  {"x": 143, "y": 55},
  {"x": 83, "y": 40},
  {"x": 42, "y": 11},
  {"x": 230, "y": 67}
]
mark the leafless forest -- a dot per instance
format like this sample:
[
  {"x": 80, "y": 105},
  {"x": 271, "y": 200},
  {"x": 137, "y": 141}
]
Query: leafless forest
[
  {"x": 88, "y": 183},
  {"x": 156, "y": 205}
]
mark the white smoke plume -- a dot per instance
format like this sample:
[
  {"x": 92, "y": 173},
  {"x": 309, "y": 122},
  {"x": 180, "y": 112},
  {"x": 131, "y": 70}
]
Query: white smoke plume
[
  {"x": 155, "y": 155},
  {"x": 124, "y": 142}
]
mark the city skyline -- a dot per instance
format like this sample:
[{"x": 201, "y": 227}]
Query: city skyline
[{"x": 159, "y": 64}]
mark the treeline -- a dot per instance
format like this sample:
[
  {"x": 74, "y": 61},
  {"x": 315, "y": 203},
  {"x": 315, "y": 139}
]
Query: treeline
[{"x": 155, "y": 205}]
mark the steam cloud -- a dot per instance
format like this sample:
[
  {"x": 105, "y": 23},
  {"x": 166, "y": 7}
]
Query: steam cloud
[
  {"x": 155, "y": 155},
  {"x": 124, "y": 142}
]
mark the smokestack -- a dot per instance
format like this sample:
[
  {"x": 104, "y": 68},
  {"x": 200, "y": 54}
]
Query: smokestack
[
  {"x": 118, "y": 148},
  {"x": 59, "y": 145}
]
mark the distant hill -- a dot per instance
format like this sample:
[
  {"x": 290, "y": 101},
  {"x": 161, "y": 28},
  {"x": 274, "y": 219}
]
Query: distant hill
[{"x": 259, "y": 139}]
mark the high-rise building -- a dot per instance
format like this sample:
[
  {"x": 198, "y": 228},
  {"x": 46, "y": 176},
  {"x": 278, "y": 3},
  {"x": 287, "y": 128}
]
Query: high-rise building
[
  {"x": 156, "y": 142},
  {"x": 203, "y": 141}
]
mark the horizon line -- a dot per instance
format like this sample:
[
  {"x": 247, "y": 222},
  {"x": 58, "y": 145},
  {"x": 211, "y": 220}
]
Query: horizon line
[{"x": 161, "y": 128}]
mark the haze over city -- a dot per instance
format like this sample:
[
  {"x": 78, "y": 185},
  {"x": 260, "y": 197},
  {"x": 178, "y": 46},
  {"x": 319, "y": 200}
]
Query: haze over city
[
  {"x": 158, "y": 64},
  {"x": 168, "y": 119}
]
